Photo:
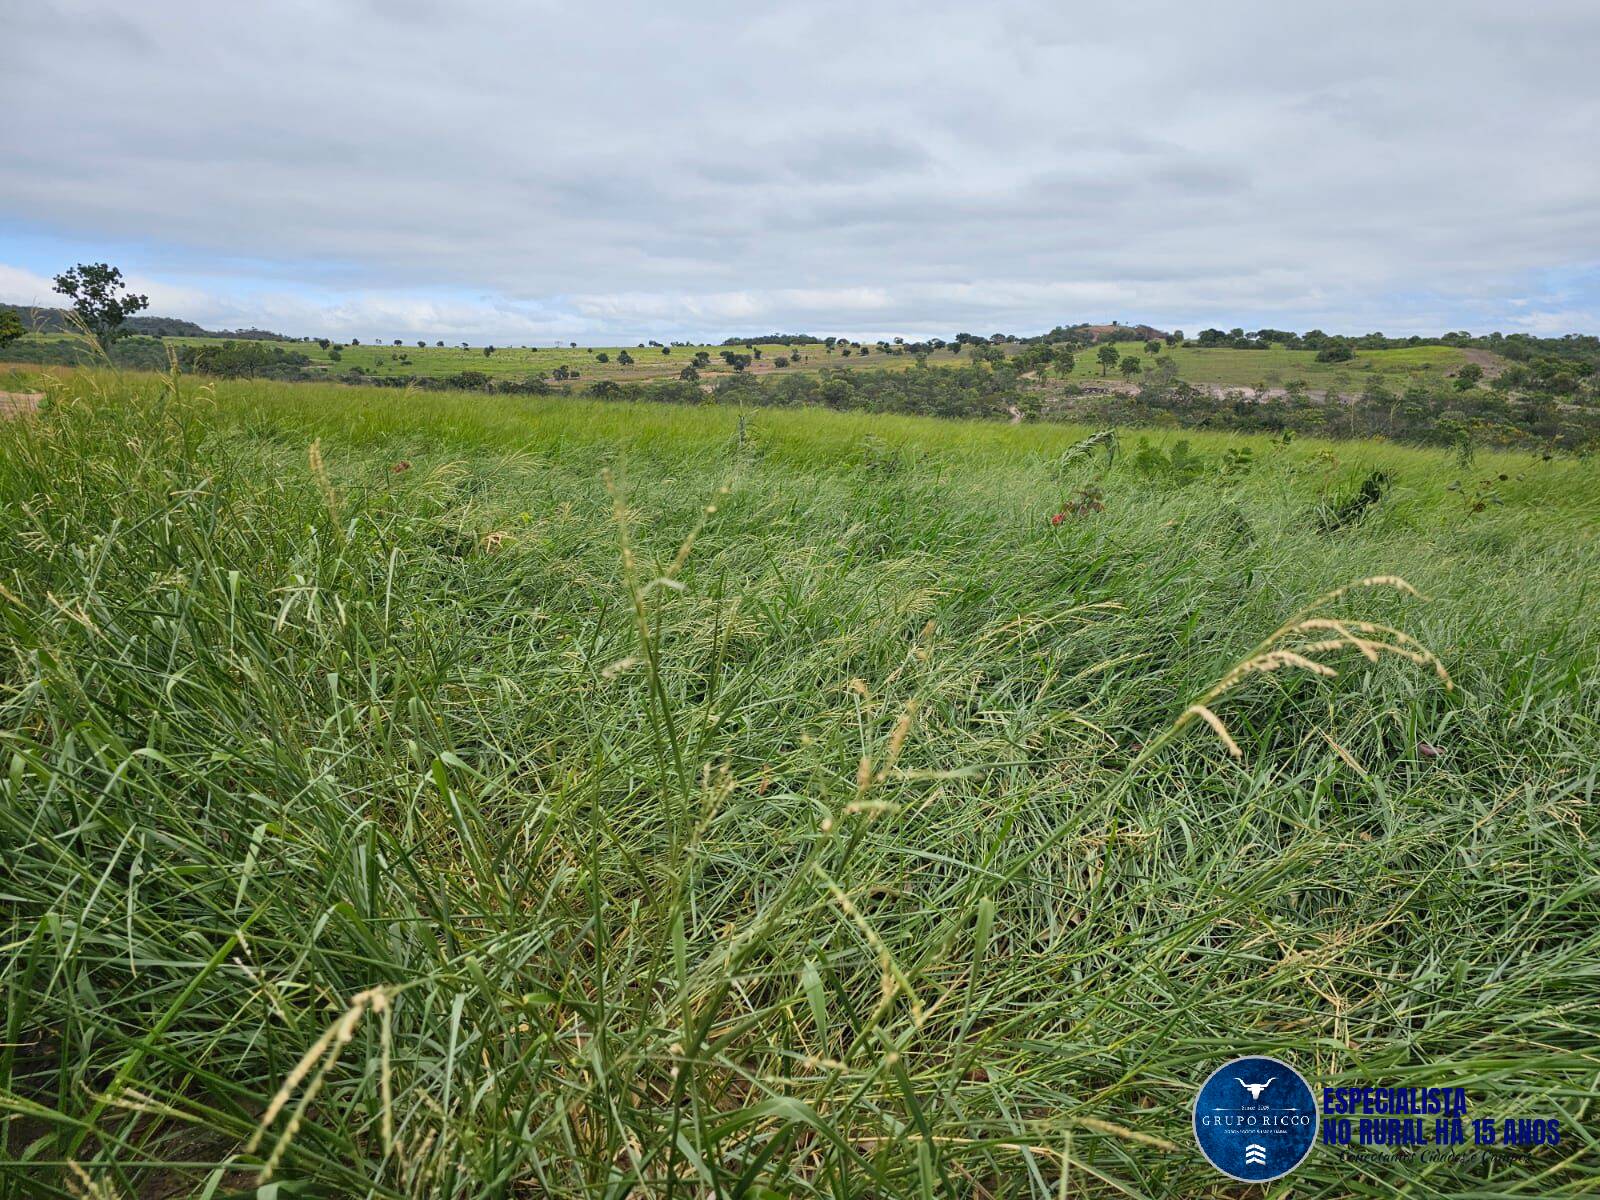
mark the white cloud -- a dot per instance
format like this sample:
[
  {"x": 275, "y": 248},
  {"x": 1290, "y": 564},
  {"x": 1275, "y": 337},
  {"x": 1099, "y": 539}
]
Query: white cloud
[
  {"x": 495, "y": 169},
  {"x": 1554, "y": 323},
  {"x": 21, "y": 286}
]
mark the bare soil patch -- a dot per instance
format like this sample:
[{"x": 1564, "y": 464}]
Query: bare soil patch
[{"x": 18, "y": 404}]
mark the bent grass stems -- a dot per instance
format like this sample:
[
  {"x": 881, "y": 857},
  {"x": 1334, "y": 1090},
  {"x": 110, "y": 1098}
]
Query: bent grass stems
[{"x": 804, "y": 847}]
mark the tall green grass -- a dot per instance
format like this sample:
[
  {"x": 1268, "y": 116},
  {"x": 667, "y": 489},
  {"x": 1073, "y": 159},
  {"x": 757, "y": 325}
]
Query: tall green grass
[{"x": 468, "y": 796}]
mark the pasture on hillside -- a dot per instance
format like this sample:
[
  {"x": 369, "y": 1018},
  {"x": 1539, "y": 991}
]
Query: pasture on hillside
[
  {"x": 480, "y": 795},
  {"x": 517, "y": 362},
  {"x": 1220, "y": 367},
  {"x": 387, "y": 361},
  {"x": 1277, "y": 365}
]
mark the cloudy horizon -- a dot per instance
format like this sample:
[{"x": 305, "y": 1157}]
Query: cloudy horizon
[{"x": 536, "y": 173}]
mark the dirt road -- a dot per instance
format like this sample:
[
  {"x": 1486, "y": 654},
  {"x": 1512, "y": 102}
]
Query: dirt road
[{"x": 17, "y": 404}]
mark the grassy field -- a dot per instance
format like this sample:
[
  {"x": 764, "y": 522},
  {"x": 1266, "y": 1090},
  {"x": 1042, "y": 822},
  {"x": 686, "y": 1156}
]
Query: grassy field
[
  {"x": 463, "y": 795},
  {"x": 1276, "y": 366},
  {"x": 519, "y": 362},
  {"x": 1222, "y": 367}
]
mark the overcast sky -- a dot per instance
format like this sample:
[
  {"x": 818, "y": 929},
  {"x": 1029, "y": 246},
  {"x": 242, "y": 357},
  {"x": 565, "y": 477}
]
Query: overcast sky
[{"x": 529, "y": 172}]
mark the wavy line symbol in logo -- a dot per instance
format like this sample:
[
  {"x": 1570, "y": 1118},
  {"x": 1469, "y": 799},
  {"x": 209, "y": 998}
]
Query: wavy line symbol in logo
[
  {"x": 1255, "y": 1089},
  {"x": 1255, "y": 1118}
]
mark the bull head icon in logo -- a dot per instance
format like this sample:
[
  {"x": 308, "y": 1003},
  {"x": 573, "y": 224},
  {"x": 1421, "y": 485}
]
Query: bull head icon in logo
[{"x": 1255, "y": 1089}]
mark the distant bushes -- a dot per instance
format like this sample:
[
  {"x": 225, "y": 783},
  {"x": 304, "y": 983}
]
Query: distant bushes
[
  {"x": 244, "y": 360},
  {"x": 461, "y": 381},
  {"x": 1546, "y": 398},
  {"x": 229, "y": 359},
  {"x": 1428, "y": 413},
  {"x": 967, "y": 392},
  {"x": 58, "y": 320},
  {"x": 775, "y": 339},
  {"x": 134, "y": 353},
  {"x": 1235, "y": 339}
]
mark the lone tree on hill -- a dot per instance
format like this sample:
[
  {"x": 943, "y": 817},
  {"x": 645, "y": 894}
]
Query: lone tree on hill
[
  {"x": 10, "y": 327},
  {"x": 1107, "y": 356},
  {"x": 100, "y": 299},
  {"x": 1130, "y": 367},
  {"x": 1153, "y": 346}
]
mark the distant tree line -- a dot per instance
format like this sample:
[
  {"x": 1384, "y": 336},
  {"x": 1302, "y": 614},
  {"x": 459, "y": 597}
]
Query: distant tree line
[
  {"x": 1455, "y": 412},
  {"x": 244, "y": 360},
  {"x": 1523, "y": 407},
  {"x": 1424, "y": 411},
  {"x": 59, "y": 320},
  {"x": 1549, "y": 395},
  {"x": 135, "y": 353}
]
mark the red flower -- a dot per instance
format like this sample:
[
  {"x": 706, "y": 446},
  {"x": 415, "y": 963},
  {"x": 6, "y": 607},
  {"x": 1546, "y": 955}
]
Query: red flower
[{"x": 1058, "y": 518}]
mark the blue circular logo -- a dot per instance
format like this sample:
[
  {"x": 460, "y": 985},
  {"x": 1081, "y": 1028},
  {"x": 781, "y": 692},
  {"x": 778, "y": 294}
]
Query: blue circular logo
[{"x": 1255, "y": 1119}]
